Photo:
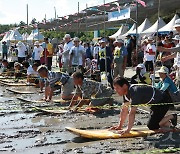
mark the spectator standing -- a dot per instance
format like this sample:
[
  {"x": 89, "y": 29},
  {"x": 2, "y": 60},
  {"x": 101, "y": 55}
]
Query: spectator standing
[{"x": 4, "y": 50}]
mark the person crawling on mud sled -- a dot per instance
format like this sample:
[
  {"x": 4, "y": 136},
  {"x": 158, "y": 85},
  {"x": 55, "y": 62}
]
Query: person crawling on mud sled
[
  {"x": 135, "y": 95},
  {"x": 89, "y": 92},
  {"x": 54, "y": 79}
]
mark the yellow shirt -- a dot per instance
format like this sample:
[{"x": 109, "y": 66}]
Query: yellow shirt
[{"x": 49, "y": 49}]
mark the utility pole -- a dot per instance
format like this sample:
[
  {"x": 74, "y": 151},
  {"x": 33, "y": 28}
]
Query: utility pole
[
  {"x": 55, "y": 12},
  {"x": 27, "y": 14}
]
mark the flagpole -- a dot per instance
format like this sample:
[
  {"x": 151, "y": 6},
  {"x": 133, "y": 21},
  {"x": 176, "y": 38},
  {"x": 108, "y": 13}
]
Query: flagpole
[
  {"x": 137, "y": 29},
  {"x": 159, "y": 6},
  {"x": 104, "y": 18},
  {"x": 78, "y": 21},
  {"x": 86, "y": 20}
]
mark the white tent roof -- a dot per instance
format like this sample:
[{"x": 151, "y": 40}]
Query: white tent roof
[
  {"x": 25, "y": 36},
  {"x": 155, "y": 27},
  {"x": 6, "y": 36},
  {"x": 15, "y": 36},
  {"x": 122, "y": 30},
  {"x": 169, "y": 27},
  {"x": 35, "y": 35},
  {"x": 130, "y": 31},
  {"x": 145, "y": 25}
]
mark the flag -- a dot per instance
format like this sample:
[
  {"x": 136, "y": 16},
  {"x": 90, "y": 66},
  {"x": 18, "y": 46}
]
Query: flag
[
  {"x": 123, "y": 14},
  {"x": 141, "y": 2}
]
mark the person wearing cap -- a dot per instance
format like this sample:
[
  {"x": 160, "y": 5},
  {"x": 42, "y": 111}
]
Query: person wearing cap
[
  {"x": 137, "y": 95},
  {"x": 149, "y": 55},
  {"x": 65, "y": 54},
  {"x": 105, "y": 59},
  {"x": 21, "y": 51},
  {"x": 4, "y": 50},
  {"x": 56, "y": 80},
  {"x": 176, "y": 53},
  {"x": 166, "y": 83},
  {"x": 37, "y": 51},
  {"x": 18, "y": 70},
  {"x": 77, "y": 56},
  {"x": 120, "y": 58},
  {"x": 141, "y": 75}
]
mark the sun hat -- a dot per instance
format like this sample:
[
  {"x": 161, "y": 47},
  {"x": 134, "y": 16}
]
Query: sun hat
[
  {"x": 76, "y": 39},
  {"x": 67, "y": 36},
  {"x": 176, "y": 37},
  {"x": 177, "y": 23},
  {"x": 163, "y": 69},
  {"x": 36, "y": 43}
]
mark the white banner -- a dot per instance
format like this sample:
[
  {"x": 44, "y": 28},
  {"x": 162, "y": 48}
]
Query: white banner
[{"x": 123, "y": 14}]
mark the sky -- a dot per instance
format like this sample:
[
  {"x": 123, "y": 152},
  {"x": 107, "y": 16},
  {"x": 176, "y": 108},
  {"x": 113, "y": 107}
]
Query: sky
[{"x": 14, "y": 11}]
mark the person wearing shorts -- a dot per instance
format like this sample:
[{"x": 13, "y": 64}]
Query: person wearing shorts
[
  {"x": 136, "y": 95},
  {"x": 54, "y": 79},
  {"x": 90, "y": 92}
]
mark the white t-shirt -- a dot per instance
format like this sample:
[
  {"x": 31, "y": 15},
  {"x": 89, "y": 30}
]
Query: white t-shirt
[
  {"x": 77, "y": 53},
  {"x": 65, "y": 54},
  {"x": 30, "y": 71},
  {"x": 21, "y": 51},
  {"x": 96, "y": 50},
  {"x": 150, "y": 52},
  {"x": 37, "y": 52}
]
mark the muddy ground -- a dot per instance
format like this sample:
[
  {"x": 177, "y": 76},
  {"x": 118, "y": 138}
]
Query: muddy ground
[{"x": 24, "y": 130}]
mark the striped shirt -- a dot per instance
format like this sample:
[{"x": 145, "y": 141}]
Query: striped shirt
[{"x": 56, "y": 78}]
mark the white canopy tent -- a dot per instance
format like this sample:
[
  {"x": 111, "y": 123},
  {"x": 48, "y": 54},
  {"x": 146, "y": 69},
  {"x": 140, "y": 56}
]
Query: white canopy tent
[
  {"x": 145, "y": 25},
  {"x": 35, "y": 35},
  {"x": 25, "y": 36},
  {"x": 122, "y": 30},
  {"x": 130, "y": 30},
  {"x": 169, "y": 27},
  {"x": 156, "y": 26},
  {"x": 6, "y": 36},
  {"x": 15, "y": 36}
]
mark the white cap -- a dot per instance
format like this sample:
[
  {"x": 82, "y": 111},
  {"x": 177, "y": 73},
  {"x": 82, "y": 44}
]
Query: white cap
[
  {"x": 140, "y": 66},
  {"x": 118, "y": 41},
  {"x": 76, "y": 39},
  {"x": 67, "y": 36},
  {"x": 103, "y": 40},
  {"x": 17, "y": 64},
  {"x": 163, "y": 69},
  {"x": 150, "y": 38},
  {"x": 177, "y": 23},
  {"x": 176, "y": 37},
  {"x": 19, "y": 43},
  {"x": 36, "y": 43}
]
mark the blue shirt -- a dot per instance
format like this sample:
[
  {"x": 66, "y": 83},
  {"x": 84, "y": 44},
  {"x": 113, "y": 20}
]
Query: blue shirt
[{"x": 167, "y": 84}]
